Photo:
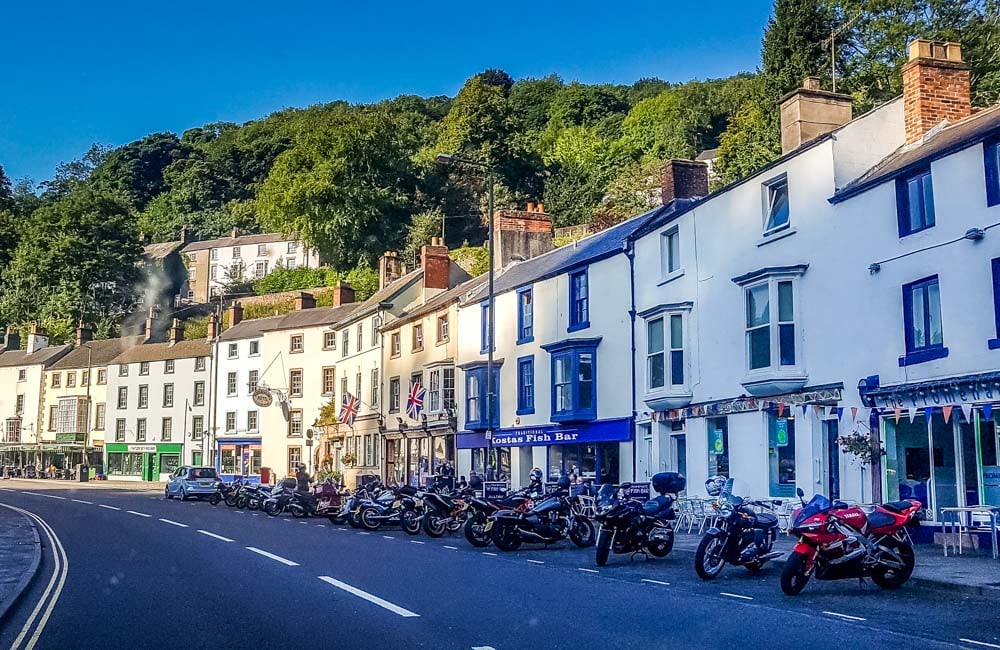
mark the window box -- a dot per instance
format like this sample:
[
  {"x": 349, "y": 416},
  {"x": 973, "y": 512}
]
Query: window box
[{"x": 574, "y": 379}]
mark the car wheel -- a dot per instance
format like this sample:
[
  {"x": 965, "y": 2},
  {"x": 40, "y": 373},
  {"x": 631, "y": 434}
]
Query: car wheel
[
  {"x": 166, "y": 492},
  {"x": 184, "y": 494}
]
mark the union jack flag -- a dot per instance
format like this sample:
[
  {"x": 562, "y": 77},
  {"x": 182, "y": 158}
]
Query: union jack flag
[
  {"x": 415, "y": 401},
  {"x": 349, "y": 408}
]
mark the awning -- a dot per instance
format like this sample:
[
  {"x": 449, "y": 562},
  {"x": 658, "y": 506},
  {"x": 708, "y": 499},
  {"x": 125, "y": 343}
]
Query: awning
[{"x": 617, "y": 430}]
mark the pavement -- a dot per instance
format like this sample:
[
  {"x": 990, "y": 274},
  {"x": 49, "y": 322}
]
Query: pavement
[
  {"x": 142, "y": 569},
  {"x": 20, "y": 556}
]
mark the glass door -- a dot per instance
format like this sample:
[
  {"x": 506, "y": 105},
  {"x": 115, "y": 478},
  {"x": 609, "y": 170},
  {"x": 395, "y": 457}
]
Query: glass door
[
  {"x": 944, "y": 464},
  {"x": 831, "y": 431},
  {"x": 781, "y": 455}
]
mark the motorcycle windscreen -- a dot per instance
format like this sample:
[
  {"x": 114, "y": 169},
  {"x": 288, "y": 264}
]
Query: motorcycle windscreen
[
  {"x": 735, "y": 490},
  {"x": 816, "y": 505},
  {"x": 606, "y": 496}
]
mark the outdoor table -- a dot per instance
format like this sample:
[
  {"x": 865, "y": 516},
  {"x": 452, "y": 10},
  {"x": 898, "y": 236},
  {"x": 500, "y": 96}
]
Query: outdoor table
[{"x": 955, "y": 519}]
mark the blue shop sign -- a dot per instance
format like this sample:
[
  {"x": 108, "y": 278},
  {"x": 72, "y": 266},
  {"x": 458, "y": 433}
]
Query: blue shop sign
[{"x": 587, "y": 432}]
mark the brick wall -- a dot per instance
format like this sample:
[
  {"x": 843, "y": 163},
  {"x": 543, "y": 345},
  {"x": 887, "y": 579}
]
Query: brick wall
[{"x": 935, "y": 87}]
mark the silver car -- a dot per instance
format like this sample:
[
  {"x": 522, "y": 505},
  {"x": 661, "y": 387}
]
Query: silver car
[{"x": 188, "y": 481}]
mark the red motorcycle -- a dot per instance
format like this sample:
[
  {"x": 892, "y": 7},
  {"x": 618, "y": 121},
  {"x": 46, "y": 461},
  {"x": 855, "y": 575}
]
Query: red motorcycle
[{"x": 838, "y": 541}]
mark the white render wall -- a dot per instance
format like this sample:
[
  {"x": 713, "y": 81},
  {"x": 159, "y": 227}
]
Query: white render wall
[
  {"x": 31, "y": 388},
  {"x": 241, "y": 403},
  {"x": 275, "y": 252}
]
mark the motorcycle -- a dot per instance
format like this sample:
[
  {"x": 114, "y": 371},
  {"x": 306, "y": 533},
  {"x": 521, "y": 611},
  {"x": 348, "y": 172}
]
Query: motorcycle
[
  {"x": 633, "y": 526},
  {"x": 445, "y": 513},
  {"x": 838, "y": 541},
  {"x": 277, "y": 502},
  {"x": 482, "y": 509},
  {"x": 402, "y": 510},
  {"x": 741, "y": 536},
  {"x": 553, "y": 518},
  {"x": 324, "y": 501},
  {"x": 226, "y": 492},
  {"x": 364, "y": 495}
]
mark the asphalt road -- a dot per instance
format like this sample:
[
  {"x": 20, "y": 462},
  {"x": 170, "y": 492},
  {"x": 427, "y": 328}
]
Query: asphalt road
[{"x": 141, "y": 571}]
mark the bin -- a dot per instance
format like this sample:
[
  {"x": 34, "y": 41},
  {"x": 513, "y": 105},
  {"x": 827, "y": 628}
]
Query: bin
[{"x": 83, "y": 472}]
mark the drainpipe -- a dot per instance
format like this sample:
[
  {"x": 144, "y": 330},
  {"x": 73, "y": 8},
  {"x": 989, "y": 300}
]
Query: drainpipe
[{"x": 629, "y": 249}]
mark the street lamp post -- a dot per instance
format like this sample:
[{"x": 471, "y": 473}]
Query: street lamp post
[
  {"x": 85, "y": 464},
  {"x": 450, "y": 159}
]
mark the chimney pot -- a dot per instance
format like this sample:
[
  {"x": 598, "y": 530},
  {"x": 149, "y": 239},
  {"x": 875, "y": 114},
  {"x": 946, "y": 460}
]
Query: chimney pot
[
  {"x": 83, "y": 334},
  {"x": 390, "y": 268},
  {"x": 935, "y": 87},
  {"x": 37, "y": 339},
  {"x": 541, "y": 208},
  {"x": 176, "y": 331},
  {"x": 235, "y": 233},
  {"x": 531, "y": 206},
  {"x": 436, "y": 264}
]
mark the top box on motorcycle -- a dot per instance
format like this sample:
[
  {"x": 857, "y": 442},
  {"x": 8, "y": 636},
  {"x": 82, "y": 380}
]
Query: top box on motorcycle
[
  {"x": 407, "y": 491},
  {"x": 325, "y": 489},
  {"x": 288, "y": 482},
  {"x": 669, "y": 482}
]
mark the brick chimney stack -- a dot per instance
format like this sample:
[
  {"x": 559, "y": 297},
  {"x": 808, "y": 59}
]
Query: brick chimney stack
[
  {"x": 683, "y": 179},
  {"x": 343, "y": 294},
  {"x": 436, "y": 264},
  {"x": 213, "y": 326},
  {"x": 83, "y": 334},
  {"x": 305, "y": 301},
  {"x": 521, "y": 233},
  {"x": 12, "y": 339},
  {"x": 176, "y": 334},
  {"x": 810, "y": 112},
  {"x": 390, "y": 269},
  {"x": 935, "y": 87},
  {"x": 150, "y": 324},
  {"x": 235, "y": 313}
]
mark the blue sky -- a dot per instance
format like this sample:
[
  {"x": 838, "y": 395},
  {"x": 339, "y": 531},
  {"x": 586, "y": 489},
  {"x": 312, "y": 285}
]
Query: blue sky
[{"x": 74, "y": 73}]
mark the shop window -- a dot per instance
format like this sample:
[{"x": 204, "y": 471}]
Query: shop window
[
  {"x": 597, "y": 462},
  {"x": 493, "y": 468},
  {"x": 525, "y": 385},
  {"x": 476, "y": 393},
  {"x": 915, "y": 203},
  {"x": 781, "y": 454},
  {"x": 525, "y": 316},
  {"x": 574, "y": 379},
  {"x": 922, "y": 319},
  {"x": 718, "y": 446},
  {"x": 579, "y": 301},
  {"x": 991, "y": 151}
]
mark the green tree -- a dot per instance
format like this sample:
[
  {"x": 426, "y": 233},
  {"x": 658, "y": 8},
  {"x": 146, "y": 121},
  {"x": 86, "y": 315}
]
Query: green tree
[
  {"x": 669, "y": 125},
  {"x": 6, "y": 192},
  {"x": 344, "y": 188},
  {"x": 530, "y": 100},
  {"x": 69, "y": 176},
  {"x": 792, "y": 46},
  {"x": 421, "y": 229},
  {"x": 751, "y": 141},
  {"x": 478, "y": 123},
  {"x": 135, "y": 171}
]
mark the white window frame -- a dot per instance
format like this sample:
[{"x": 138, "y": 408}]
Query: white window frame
[
  {"x": 768, "y": 192},
  {"x": 253, "y": 420},
  {"x": 254, "y": 349},
  {"x": 230, "y": 421},
  {"x": 232, "y": 384},
  {"x": 773, "y": 325},
  {"x": 233, "y": 351},
  {"x": 670, "y": 255}
]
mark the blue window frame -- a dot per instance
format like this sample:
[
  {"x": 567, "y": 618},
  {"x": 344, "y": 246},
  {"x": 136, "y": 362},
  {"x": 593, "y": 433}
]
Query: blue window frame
[
  {"x": 525, "y": 316},
  {"x": 994, "y": 344},
  {"x": 579, "y": 301},
  {"x": 991, "y": 150},
  {"x": 475, "y": 397},
  {"x": 922, "y": 320},
  {"x": 526, "y": 385},
  {"x": 915, "y": 203},
  {"x": 485, "y": 327},
  {"x": 574, "y": 379}
]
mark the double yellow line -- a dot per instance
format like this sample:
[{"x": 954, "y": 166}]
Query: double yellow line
[{"x": 52, "y": 591}]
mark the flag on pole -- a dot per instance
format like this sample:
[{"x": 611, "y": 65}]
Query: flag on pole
[
  {"x": 415, "y": 401},
  {"x": 349, "y": 407}
]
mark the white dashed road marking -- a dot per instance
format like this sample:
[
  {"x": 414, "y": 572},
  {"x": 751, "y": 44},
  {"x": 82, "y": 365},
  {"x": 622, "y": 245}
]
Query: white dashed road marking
[
  {"x": 980, "y": 643},
  {"x": 174, "y": 523},
  {"x": 587, "y": 570},
  {"x": 415, "y": 541},
  {"x": 89, "y": 503},
  {"x": 395, "y": 609},
  {"x": 536, "y": 561},
  {"x": 276, "y": 558},
  {"x": 453, "y": 548},
  {"x": 656, "y": 582},
  {"x": 140, "y": 514},
  {"x": 388, "y": 537},
  {"x": 847, "y": 617},
  {"x": 725, "y": 593},
  {"x": 362, "y": 532},
  {"x": 489, "y": 554},
  {"x": 101, "y": 505},
  {"x": 219, "y": 537}
]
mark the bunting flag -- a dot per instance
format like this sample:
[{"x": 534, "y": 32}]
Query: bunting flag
[
  {"x": 804, "y": 407},
  {"x": 928, "y": 412},
  {"x": 946, "y": 411},
  {"x": 967, "y": 412},
  {"x": 897, "y": 412},
  {"x": 913, "y": 413},
  {"x": 854, "y": 413},
  {"x": 840, "y": 412},
  {"x": 988, "y": 411},
  {"x": 818, "y": 410},
  {"x": 781, "y": 409}
]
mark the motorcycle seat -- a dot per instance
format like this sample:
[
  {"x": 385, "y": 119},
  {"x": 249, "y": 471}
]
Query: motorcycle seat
[
  {"x": 880, "y": 519},
  {"x": 656, "y": 506},
  {"x": 766, "y": 520},
  {"x": 897, "y": 506}
]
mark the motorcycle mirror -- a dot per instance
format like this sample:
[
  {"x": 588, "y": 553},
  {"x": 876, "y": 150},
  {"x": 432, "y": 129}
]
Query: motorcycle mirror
[{"x": 799, "y": 492}]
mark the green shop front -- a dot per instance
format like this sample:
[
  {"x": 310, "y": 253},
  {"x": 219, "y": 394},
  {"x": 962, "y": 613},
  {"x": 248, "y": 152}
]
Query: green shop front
[{"x": 143, "y": 461}]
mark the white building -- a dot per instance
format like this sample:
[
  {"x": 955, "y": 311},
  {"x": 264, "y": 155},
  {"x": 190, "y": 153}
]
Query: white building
[
  {"x": 214, "y": 263},
  {"x": 158, "y": 407}
]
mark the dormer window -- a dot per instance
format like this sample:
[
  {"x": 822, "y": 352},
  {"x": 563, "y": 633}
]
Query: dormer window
[
  {"x": 915, "y": 203},
  {"x": 776, "y": 209}
]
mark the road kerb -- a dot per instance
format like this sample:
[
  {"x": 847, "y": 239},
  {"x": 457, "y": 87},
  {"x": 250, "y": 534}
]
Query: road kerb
[{"x": 29, "y": 576}]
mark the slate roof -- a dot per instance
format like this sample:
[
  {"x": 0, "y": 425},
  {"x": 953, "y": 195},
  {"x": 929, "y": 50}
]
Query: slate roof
[
  {"x": 974, "y": 129},
  {"x": 250, "y": 328},
  {"x": 101, "y": 354},
  {"x": 46, "y": 356},
  {"x": 443, "y": 299},
  {"x": 308, "y": 318},
  {"x": 159, "y": 252},
  {"x": 366, "y": 307},
  {"x": 242, "y": 240},
  {"x": 565, "y": 258},
  {"x": 708, "y": 154},
  {"x": 163, "y": 351}
]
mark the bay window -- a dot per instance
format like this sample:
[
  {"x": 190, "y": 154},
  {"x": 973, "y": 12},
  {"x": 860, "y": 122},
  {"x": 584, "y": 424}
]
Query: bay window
[
  {"x": 476, "y": 394},
  {"x": 574, "y": 379}
]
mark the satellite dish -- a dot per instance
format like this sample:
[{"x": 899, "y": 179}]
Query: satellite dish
[{"x": 262, "y": 397}]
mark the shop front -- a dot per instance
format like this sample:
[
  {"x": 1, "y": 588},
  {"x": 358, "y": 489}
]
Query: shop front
[
  {"x": 143, "y": 461},
  {"x": 413, "y": 457},
  {"x": 940, "y": 440},
  {"x": 238, "y": 458},
  {"x": 594, "y": 451}
]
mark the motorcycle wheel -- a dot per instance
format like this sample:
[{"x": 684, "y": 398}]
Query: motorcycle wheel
[
  {"x": 299, "y": 512},
  {"x": 365, "y": 518},
  {"x": 272, "y": 508},
  {"x": 660, "y": 547},
  {"x": 475, "y": 532},
  {"x": 603, "y": 546},
  {"x": 505, "y": 537},
  {"x": 890, "y": 577},
  {"x": 794, "y": 576},
  {"x": 434, "y": 527},
  {"x": 215, "y": 498},
  {"x": 582, "y": 533},
  {"x": 253, "y": 504},
  {"x": 242, "y": 502},
  {"x": 337, "y": 520},
  {"x": 352, "y": 520},
  {"x": 409, "y": 520},
  {"x": 231, "y": 499},
  {"x": 708, "y": 561}
]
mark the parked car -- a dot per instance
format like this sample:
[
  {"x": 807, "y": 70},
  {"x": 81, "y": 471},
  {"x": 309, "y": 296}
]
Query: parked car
[{"x": 188, "y": 481}]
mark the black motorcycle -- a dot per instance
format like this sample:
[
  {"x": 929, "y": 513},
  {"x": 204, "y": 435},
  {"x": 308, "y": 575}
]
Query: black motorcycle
[
  {"x": 482, "y": 509},
  {"x": 401, "y": 511},
  {"x": 556, "y": 517},
  {"x": 282, "y": 495},
  {"x": 742, "y": 537},
  {"x": 630, "y": 526},
  {"x": 226, "y": 492}
]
